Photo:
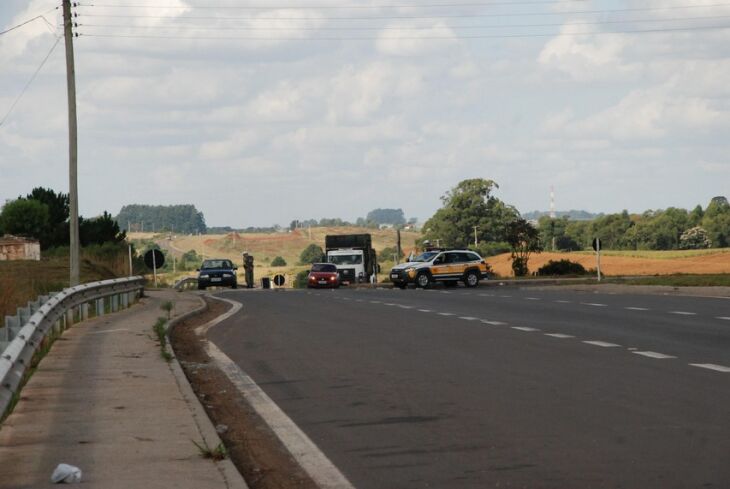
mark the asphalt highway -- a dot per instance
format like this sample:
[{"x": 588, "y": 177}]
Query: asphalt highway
[{"x": 496, "y": 386}]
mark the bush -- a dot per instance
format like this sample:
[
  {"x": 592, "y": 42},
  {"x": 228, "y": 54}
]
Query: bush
[
  {"x": 278, "y": 262},
  {"x": 387, "y": 254},
  {"x": 300, "y": 281},
  {"x": 311, "y": 254},
  {"x": 562, "y": 267},
  {"x": 491, "y": 248}
]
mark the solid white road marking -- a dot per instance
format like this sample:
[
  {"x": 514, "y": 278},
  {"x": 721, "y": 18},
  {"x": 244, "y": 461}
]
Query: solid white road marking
[
  {"x": 593, "y": 304},
  {"x": 425, "y": 310},
  {"x": 712, "y": 366},
  {"x": 467, "y": 318},
  {"x": 559, "y": 335},
  {"x": 494, "y": 323},
  {"x": 723, "y": 317},
  {"x": 445, "y": 314},
  {"x": 683, "y": 313},
  {"x": 524, "y": 328},
  {"x": 604, "y": 344},
  {"x": 636, "y": 308},
  {"x": 653, "y": 354}
]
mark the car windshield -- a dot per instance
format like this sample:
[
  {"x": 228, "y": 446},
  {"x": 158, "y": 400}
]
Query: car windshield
[
  {"x": 217, "y": 264},
  {"x": 345, "y": 259},
  {"x": 324, "y": 267},
  {"x": 427, "y": 256}
]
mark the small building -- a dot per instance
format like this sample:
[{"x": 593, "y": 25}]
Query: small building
[{"x": 17, "y": 248}]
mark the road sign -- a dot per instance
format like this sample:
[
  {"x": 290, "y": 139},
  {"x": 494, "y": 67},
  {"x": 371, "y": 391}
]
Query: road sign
[
  {"x": 154, "y": 259},
  {"x": 279, "y": 280},
  {"x": 596, "y": 244}
]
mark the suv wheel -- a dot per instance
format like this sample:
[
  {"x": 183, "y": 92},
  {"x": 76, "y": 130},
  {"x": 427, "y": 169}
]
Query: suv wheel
[
  {"x": 471, "y": 279},
  {"x": 423, "y": 280}
]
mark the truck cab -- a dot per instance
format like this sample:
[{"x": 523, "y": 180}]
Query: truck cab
[{"x": 350, "y": 264}]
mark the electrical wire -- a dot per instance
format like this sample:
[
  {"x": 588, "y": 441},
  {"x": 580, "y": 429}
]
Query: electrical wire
[
  {"x": 407, "y": 28},
  {"x": 25, "y": 88},
  {"x": 421, "y": 17},
  {"x": 409, "y": 38},
  {"x": 41, "y": 16},
  {"x": 336, "y": 7}
]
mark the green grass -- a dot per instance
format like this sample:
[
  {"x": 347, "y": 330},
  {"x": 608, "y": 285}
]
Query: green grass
[
  {"x": 161, "y": 333},
  {"x": 720, "y": 280},
  {"x": 658, "y": 254},
  {"x": 218, "y": 453}
]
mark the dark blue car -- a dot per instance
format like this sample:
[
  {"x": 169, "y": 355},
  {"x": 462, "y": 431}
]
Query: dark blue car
[{"x": 217, "y": 272}]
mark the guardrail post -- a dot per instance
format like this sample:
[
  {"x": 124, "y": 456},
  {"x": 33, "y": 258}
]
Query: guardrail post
[
  {"x": 84, "y": 311},
  {"x": 99, "y": 307},
  {"x": 23, "y": 314}
]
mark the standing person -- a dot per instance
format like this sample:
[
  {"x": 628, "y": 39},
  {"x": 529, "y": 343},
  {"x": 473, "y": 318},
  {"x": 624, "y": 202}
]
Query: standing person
[{"x": 248, "y": 268}]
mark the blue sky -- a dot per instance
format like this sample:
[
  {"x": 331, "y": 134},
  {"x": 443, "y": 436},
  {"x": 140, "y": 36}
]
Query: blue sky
[{"x": 388, "y": 112}]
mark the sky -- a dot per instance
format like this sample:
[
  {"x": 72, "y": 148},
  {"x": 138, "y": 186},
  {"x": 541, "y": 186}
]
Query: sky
[{"x": 260, "y": 113}]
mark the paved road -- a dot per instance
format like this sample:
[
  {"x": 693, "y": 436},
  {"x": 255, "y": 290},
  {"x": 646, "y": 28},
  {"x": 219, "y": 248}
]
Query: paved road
[{"x": 497, "y": 387}]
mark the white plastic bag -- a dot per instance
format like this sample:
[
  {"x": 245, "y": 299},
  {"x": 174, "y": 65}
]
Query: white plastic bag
[{"x": 65, "y": 473}]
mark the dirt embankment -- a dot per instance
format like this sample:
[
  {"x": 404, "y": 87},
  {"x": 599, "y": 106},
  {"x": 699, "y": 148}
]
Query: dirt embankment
[
  {"x": 624, "y": 265},
  {"x": 253, "y": 448}
]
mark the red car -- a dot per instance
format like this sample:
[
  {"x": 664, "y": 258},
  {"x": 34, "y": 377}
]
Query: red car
[{"x": 323, "y": 275}]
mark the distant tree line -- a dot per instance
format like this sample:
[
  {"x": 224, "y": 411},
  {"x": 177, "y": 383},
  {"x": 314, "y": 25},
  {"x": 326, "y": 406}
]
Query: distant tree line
[
  {"x": 373, "y": 220},
  {"x": 44, "y": 214},
  {"x": 183, "y": 218},
  {"x": 668, "y": 229}
]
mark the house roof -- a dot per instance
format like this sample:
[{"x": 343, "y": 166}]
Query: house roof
[{"x": 9, "y": 239}]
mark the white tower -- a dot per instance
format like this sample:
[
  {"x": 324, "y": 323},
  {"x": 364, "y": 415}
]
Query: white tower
[{"x": 552, "y": 202}]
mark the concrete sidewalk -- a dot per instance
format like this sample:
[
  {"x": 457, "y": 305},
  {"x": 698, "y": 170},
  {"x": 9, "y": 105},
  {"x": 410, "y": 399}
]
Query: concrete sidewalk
[{"x": 104, "y": 400}]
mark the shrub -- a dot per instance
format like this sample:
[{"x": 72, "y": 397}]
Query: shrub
[
  {"x": 311, "y": 254},
  {"x": 387, "y": 254},
  {"x": 300, "y": 281},
  {"x": 278, "y": 262},
  {"x": 562, "y": 267}
]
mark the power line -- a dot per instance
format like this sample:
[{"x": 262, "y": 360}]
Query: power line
[
  {"x": 410, "y": 38},
  {"x": 337, "y": 7},
  {"x": 29, "y": 21},
  {"x": 25, "y": 88},
  {"x": 407, "y": 28},
  {"x": 420, "y": 17}
]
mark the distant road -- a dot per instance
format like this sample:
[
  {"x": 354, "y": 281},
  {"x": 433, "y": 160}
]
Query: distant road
[{"x": 497, "y": 387}]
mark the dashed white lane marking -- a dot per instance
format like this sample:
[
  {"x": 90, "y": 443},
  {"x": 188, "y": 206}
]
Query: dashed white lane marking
[
  {"x": 506, "y": 296},
  {"x": 467, "y": 318},
  {"x": 486, "y": 295},
  {"x": 603, "y": 344},
  {"x": 683, "y": 313},
  {"x": 445, "y": 314},
  {"x": 653, "y": 354},
  {"x": 405, "y": 307},
  {"x": 389, "y": 304},
  {"x": 524, "y": 328},
  {"x": 494, "y": 323},
  {"x": 532, "y": 299},
  {"x": 563, "y": 302},
  {"x": 712, "y": 366},
  {"x": 723, "y": 318},
  {"x": 375, "y": 302},
  {"x": 445, "y": 292},
  {"x": 636, "y": 308},
  {"x": 359, "y": 300},
  {"x": 425, "y": 310},
  {"x": 594, "y": 304},
  {"x": 559, "y": 335}
]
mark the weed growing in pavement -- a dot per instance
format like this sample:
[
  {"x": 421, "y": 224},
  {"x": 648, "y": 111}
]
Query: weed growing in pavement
[
  {"x": 168, "y": 306},
  {"x": 161, "y": 332},
  {"x": 218, "y": 453}
]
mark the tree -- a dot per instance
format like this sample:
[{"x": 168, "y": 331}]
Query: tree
[
  {"x": 56, "y": 231},
  {"x": 278, "y": 262},
  {"x": 24, "y": 217},
  {"x": 694, "y": 239},
  {"x": 179, "y": 218},
  {"x": 100, "y": 230},
  {"x": 717, "y": 222},
  {"x": 387, "y": 254},
  {"x": 311, "y": 254},
  {"x": 387, "y": 216},
  {"x": 523, "y": 239},
  {"x": 469, "y": 204}
]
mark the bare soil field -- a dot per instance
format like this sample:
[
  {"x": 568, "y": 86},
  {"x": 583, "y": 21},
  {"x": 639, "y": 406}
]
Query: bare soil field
[{"x": 620, "y": 264}]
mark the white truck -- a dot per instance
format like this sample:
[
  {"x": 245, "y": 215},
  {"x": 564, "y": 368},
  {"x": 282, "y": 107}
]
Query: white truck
[{"x": 354, "y": 257}]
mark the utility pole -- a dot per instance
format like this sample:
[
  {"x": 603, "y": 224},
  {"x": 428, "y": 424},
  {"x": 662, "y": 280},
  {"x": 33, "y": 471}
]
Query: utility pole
[{"x": 73, "y": 194}]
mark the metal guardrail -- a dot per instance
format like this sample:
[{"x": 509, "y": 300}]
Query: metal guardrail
[{"x": 26, "y": 333}]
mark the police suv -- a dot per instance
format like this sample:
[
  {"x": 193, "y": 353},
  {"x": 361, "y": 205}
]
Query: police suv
[{"x": 435, "y": 265}]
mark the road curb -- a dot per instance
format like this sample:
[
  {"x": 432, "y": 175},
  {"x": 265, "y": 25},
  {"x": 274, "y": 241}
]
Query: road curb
[{"x": 231, "y": 475}]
